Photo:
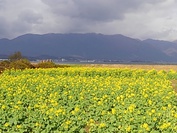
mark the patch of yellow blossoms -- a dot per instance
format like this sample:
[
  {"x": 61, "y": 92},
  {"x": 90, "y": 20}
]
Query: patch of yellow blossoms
[{"x": 87, "y": 99}]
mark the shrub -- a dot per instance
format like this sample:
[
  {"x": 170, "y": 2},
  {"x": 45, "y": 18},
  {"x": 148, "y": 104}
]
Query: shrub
[
  {"x": 3, "y": 65},
  {"x": 21, "y": 64},
  {"x": 46, "y": 64}
]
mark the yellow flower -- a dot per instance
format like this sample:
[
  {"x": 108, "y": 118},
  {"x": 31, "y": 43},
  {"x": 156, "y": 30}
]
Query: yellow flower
[
  {"x": 68, "y": 122},
  {"x": 153, "y": 110},
  {"x": 91, "y": 121},
  {"x": 37, "y": 124},
  {"x": 149, "y": 102},
  {"x": 118, "y": 98},
  {"x": 159, "y": 114},
  {"x": 51, "y": 110},
  {"x": 76, "y": 109},
  {"x": 165, "y": 125},
  {"x": 128, "y": 129},
  {"x": 146, "y": 126},
  {"x": 99, "y": 102},
  {"x": 103, "y": 112},
  {"x": 3, "y": 107},
  {"x": 175, "y": 115},
  {"x": 16, "y": 107},
  {"x": 131, "y": 119},
  {"x": 113, "y": 111},
  {"x": 154, "y": 119},
  {"x": 102, "y": 125},
  {"x": 19, "y": 126},
  {"x": 164, "y": 108},
  {"x": 51, "y": 117},
  {"x": 169, "y": 105},
  {"x": 70, "y": 97},
  {"x": 131, "y": 107},
  {"x": 19, "y": 102},
  {"x": 59, "y": 111},
  {"x": 6, "y": 124},
  {"x": 145, "y": 95}
]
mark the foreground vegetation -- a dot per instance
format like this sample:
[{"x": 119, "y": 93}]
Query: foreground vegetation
[
  {"x": 17, "y": 61},
  {"x": 26, "y": 64},
  {"x": 81, "y": 99}
]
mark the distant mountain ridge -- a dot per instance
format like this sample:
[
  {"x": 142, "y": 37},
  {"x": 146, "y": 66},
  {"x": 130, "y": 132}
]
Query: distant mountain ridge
[
  {"x": 169, "y": 48},
  {"x": 91, "y": 46}
]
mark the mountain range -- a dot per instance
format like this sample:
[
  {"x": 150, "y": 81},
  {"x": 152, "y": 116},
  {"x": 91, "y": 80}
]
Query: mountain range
[{"x": 90, "y": 46}]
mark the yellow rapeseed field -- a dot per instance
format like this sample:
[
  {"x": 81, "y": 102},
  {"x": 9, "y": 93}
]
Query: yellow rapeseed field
[{"x": 85, "y": 99}]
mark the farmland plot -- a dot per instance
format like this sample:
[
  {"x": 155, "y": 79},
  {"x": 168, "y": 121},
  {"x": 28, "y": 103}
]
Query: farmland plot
[{"x": 87, "y": 100}]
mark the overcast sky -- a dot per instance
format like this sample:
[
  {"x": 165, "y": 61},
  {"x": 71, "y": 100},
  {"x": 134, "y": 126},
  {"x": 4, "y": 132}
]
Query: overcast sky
[{"x": 140, "y": 19}]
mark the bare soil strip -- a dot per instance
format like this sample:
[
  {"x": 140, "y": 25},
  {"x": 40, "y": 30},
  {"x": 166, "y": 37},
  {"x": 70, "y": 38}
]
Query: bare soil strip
[{"x": 136, "y": 66}]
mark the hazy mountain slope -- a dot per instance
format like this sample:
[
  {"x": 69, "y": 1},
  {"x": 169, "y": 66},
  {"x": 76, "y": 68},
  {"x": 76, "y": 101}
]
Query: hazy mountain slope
[
  {"x": 169, "y": 48},
  {"x": 90, "y": 46}
]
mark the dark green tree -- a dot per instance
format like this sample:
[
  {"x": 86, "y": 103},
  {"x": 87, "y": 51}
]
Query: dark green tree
[{"x": 16, "y": 56}]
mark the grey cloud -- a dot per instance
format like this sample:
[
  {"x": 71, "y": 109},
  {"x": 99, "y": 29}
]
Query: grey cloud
[
  {"x": 3, "y": 27},
  {"x": 26, "y": 21},
  {"x": 30, "y": 17},
  {"x": 19, "y": 27},
  {"x": 22, "y": 16},
  {"x": 149, "y": 17},
  {"x": 96, "y": 10},
  {"x": 1, "y": 4}
]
